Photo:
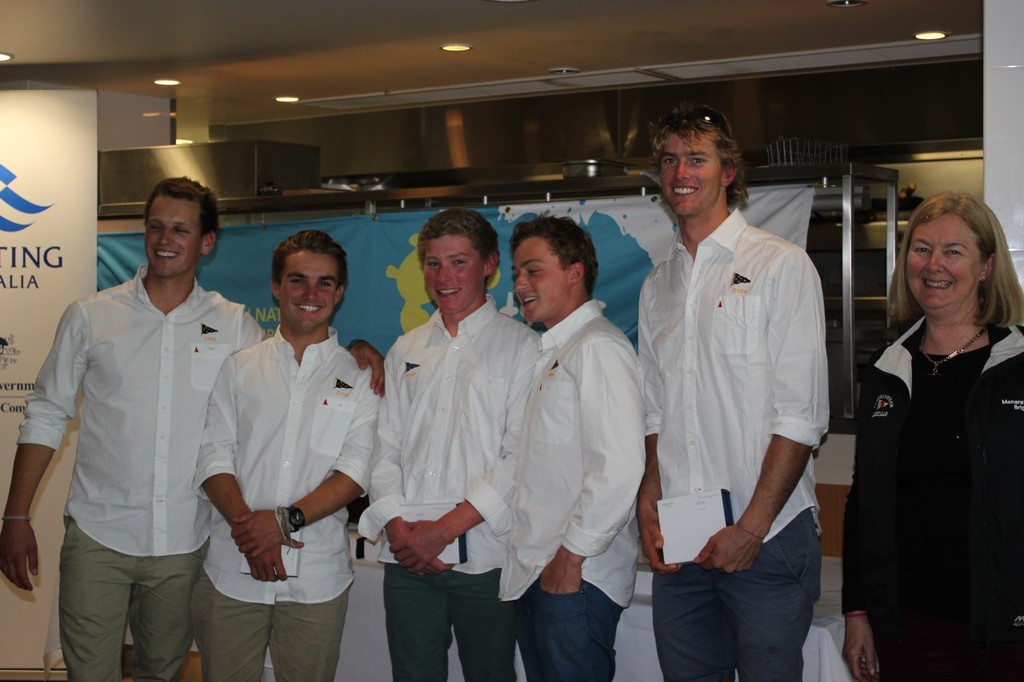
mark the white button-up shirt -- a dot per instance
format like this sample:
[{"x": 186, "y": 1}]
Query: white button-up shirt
[
  {"x": 280, "y": 428},
  {"x": 449, "y": 427},
  {"x": 145, "y": 379},
  {"x": 582, "y": 458},
  {"x": 732, "y": 344}
]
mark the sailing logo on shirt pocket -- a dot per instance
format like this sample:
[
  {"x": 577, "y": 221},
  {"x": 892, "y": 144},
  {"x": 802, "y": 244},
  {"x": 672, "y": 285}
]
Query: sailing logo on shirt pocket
[
  {"x": 331, "y": 421},
  {"x": 207, "y": 359},
  {"x": 737, "y": 324}
]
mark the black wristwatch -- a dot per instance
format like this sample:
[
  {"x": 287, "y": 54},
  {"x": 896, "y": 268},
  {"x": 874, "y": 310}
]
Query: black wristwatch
[{"x": 296, "y": 519}]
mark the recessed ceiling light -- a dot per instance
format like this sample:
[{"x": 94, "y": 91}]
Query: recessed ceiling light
[
  {"x": 456, "y": 47},
  {"x": 563, "y": 70},
  {"x": 166, "y": 81},
  {"x": 182, "y": 140},
  {"x": 931, "y": 35},
  {"x": 6, "y": 56},
  {"x": 845, "y": 3},
  {"x": 286, "y": 99},
  {"x": 150, "y": 114}
]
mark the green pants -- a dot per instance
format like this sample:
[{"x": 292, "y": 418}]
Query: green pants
[{"x": 422, "y": 612}]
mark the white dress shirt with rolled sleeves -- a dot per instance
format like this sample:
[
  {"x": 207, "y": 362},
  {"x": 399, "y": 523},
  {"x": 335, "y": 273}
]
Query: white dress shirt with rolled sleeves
[
  {"x": 582, "y": 458},
  {"x": 732, "y": 344},
  {"x": 145, "y": 378},
  {"x": 449, "y": 427},
  {"x": 281, "y": 428}
]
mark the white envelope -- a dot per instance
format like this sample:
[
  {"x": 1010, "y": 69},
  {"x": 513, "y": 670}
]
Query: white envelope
[{"x": 688, "y": 521}]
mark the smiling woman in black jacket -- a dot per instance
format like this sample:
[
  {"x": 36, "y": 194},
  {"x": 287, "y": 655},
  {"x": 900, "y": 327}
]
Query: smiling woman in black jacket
[{"x": 933, "y": 556}]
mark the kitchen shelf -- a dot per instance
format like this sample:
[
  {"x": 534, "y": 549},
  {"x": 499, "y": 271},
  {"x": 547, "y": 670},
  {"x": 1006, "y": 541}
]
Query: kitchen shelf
[{"x": 853, "y": 179}]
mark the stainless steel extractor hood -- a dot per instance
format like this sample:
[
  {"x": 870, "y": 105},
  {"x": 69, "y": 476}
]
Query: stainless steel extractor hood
[{"x": 235, "y": 170}]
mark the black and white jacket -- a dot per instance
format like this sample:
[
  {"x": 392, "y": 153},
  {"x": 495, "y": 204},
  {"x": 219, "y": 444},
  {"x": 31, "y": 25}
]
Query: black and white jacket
[{"x": 995, "y": 430}]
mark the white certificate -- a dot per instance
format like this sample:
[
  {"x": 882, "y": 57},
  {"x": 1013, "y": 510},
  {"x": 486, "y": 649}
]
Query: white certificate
[{"x": 688, "y": 521}]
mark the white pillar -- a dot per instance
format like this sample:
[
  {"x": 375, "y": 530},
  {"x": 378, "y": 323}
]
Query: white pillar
[{"x": 1003, "y": 130}]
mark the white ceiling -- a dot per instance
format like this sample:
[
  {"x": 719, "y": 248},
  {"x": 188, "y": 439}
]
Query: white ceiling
[{"x": 234, "y": 56}]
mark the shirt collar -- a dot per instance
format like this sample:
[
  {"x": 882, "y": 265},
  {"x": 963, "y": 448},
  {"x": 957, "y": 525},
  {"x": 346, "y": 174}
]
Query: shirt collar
[
  {"x": 139, "y": 291},
  {"x": 561, "y": 333},
  {"x": 726, "y": 235},
  {"x": 473, "y": 323},
  {"x": 314, "y": 353}
]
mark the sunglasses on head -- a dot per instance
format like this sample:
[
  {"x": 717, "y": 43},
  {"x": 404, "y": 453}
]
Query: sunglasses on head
[{"x": 702, "y": 114}]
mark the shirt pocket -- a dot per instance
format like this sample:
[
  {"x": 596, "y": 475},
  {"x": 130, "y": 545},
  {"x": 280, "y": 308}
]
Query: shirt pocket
[
  {"x": 207, "y": 359},
  {"x": 486, "y": 397},
  {"x": 737, "y": 325},
  {"x": 557, "y": 414},
  {"x": 331, "y": 421}
]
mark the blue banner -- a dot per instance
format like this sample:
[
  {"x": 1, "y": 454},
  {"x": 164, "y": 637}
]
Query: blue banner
[{"x": 385, "y": 295}]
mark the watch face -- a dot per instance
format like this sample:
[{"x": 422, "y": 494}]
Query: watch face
[{"x": 296, "y": 518}]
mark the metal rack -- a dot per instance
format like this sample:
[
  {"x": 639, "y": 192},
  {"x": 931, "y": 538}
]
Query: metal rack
[{"x": 848, "y": 177}]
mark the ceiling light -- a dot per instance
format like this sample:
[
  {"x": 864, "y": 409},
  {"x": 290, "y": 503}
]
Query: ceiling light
[
  {"x": 456, "y": 47},
  {"x": 563, "y": 70},
  {"x": 286, "y": 99},
  {"x": 182, "y": 140},
  {"x": 845, "y": 3},
  {"x": 6, "y": 56},
  {"x": 931, "y": 35},
  {"x": 166, "y": 81},
  {"x": 150, "y": 114}
]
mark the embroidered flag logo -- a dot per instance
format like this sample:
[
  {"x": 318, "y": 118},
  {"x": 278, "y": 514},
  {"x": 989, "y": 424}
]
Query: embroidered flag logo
[
  {"x": 409, "y": 366},
  {"x": 883, "y": 403},
  {"x": 338, "y": 383},
  {"x": 207, "y": 330},
  {"x": 737, "y": 278}
]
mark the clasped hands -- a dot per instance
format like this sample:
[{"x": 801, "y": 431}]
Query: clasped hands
[
  {"x": 417, "y": 544},
  {"x": 258, "y": 536}
]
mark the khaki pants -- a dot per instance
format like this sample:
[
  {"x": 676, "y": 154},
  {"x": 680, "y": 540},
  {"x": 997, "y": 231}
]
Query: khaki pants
[
  {"x": 99, "y": 586},
  {"x": 233, "y": 636}
]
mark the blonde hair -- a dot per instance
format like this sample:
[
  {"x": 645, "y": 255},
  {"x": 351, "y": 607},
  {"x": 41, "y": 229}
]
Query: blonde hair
[{"x": 1000, "y": 299}]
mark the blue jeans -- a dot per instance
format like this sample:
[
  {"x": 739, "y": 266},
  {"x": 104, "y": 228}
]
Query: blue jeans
[
  {"x": 708, "y": 624},
  {"x": 567, "y": 637}
]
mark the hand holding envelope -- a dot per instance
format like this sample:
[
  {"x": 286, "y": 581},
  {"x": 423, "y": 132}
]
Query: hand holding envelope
[
  {"x": 413, "y": 514},
  {"x": 688, "y": 521}
]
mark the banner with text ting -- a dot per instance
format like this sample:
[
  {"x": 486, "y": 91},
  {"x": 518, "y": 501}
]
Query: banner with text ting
[{"x": 47, "y": 259}]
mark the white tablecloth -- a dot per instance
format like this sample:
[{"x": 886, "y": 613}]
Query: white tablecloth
[{"x": 364, "y": 648}]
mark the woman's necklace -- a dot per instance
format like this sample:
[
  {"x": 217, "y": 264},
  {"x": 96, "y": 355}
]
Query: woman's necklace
[{"x": 958, "y": 351}]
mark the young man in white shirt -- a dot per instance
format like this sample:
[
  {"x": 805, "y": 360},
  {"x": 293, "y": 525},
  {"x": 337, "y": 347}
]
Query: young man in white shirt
[
  {"x": 145, "y": 354},
  {"x": 732, "y": 344},
  {"x": 448, "y": 433},
  {"x": 286, "y": 447},
  {"x": 572, "y": 563}
]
